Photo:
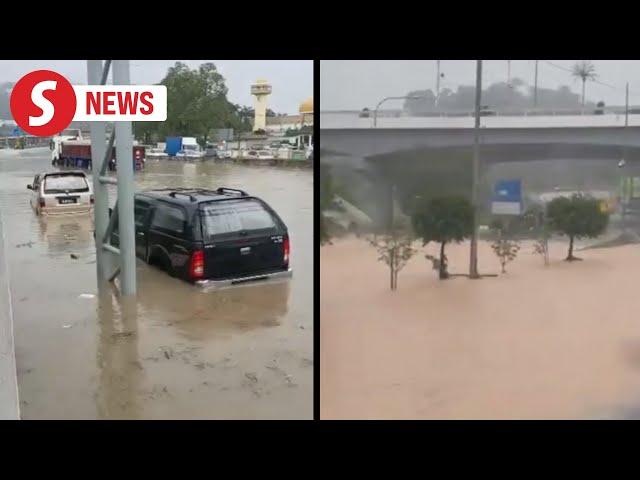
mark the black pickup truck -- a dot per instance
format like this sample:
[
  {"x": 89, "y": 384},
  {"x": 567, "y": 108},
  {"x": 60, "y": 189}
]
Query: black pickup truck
[{"x": 210, "y": 237}]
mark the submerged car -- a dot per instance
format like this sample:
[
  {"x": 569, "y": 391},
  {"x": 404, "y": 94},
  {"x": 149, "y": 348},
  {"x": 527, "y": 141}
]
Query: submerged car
[
  {"x": 214, "y": 238},
  {"x": 61, "y": 193},
  {"x": 260, "y": 155}
]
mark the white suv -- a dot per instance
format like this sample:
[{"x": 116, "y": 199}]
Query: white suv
[{"x": 56, "y": 193}]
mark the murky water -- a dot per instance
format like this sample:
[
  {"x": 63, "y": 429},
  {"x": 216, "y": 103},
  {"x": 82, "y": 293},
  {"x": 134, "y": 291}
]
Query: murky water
[
  {"x": 174, "y": 351},
  {"x": 552, "y": 342}
]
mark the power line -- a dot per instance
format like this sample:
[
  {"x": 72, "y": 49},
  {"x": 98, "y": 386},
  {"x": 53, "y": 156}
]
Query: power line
[{"x": 593, "y": 79}]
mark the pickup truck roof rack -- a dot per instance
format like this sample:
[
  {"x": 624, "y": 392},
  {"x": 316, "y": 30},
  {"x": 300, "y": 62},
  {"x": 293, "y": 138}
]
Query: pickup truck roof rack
[
  {"x": 177, "y": 192},
  {"x": 222, "y": 190},
  {"x": 191, "y": 192}
]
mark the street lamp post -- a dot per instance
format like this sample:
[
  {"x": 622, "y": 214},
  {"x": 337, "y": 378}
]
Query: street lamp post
[
  {"x": 626, "y": 107},
  {"x": 437, "y": 81},
  {"x": 375, "y": 112},
  {"x": 535, "y": 87},
  {"x": 473, "y": 260}
]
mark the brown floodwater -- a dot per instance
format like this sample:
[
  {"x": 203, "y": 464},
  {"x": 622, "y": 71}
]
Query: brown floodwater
[
  {"x": 173, "y": 351},
  {"x": 555, "y": 342}
]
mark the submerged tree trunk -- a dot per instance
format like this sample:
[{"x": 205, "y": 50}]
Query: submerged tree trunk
[
  {"x": 392, "y": 269},
  {"x": 570, "y": 257},
  {"x": 546, "y": 251},
  {"x": 443, "y": 266}
]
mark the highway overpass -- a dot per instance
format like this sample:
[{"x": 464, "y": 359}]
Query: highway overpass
[
  {"x": 348, "y": 136},
  {"x": 407, "y": 150}
]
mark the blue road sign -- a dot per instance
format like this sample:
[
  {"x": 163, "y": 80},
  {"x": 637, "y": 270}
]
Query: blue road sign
[
  {"x": 507, "y": 197},
  {"x": 507, "y": 191}
]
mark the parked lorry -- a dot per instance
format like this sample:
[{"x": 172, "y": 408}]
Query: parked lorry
[
  {"x": 173, "y": 146},
  {"x": 185, "y": 147},
  {"x": 77, "y": 154},
  {"x": 55, "y": 144}
]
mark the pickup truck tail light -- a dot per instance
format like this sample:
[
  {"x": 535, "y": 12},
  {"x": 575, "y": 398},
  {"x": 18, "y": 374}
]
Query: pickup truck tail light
[
  {"x": 41, "y": 202},
  {"x": 286, "y": 250},
  {"x": 196, "y": 267}
]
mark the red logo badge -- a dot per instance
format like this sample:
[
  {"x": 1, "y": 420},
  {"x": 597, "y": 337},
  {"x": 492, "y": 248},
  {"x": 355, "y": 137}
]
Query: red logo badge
[{"x": 43, "y": 103}]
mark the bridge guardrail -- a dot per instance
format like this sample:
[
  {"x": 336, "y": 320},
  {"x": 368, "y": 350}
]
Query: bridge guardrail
[
  {"x": 515, "y": 112},
  {"x": 29, "y": 141}
]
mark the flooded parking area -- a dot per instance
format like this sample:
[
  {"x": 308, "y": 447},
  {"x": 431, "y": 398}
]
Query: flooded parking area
[
  {"x": 540, "y": 342},
  {"x": 173, "y": 351}
]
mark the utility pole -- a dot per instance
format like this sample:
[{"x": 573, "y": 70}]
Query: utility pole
[
  {"x": 126, "y": 190},
  {"x": 625, "y": 178},
  {"x": 100, "y": 192},
  {"x": 437, "y": 81},
  {"x": 509, "y": 72},
  {"x": 535, "y": 87},
  {"x": 473, "y": 260},
  {"x": 391, "y": 196},
  {"x": 626, "y": 107}
]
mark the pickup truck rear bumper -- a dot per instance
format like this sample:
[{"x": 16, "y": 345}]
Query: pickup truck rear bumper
[{"x": 250, "y": 280}]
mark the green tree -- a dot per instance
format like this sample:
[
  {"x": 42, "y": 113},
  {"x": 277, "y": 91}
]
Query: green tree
[
  {"x": 394, "y": 249},
  {"x": 537, "y": 225},
  {"x": 584, "y": 70},
  {"x": 578, "y": 216},
  {"x": 505, "y": 248},
  {"x": 242, "y": 118},
  {"x": 196, "y": 104},
  {"x": 443, "y": 220}
]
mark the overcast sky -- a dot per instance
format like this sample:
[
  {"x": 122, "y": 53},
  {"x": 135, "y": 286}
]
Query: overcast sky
[
  {"x": 355, "y": 84},
  {"x": 292, "y": 80}
]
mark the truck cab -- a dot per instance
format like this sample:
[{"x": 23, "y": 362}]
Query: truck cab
[{"x": 56, "y": 142}]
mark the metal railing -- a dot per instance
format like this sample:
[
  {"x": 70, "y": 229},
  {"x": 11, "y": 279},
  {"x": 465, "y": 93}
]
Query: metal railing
[
  {"x": 488, "y": 110},
  {"x": 29, "y": 141}
]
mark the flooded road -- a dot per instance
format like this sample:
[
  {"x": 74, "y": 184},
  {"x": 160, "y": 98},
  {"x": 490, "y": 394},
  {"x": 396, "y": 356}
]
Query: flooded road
[
  {"x": 554, "y": 342},
  {"x": 174, "y": 352}
]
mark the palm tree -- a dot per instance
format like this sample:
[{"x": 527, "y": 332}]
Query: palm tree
[{"x": 584, "y": 70}]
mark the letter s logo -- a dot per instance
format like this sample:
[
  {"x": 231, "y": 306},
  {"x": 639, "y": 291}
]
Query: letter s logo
[
  {"x": 39, "y": 115},
  {"x": 39, "y": 101}
]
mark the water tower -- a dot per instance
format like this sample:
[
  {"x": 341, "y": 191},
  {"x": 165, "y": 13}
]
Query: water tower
[{"x": 261, "y": 90}]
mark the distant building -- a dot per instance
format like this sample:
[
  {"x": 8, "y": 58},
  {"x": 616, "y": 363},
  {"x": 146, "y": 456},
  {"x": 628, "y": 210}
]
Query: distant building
[
  {"x": 261, "y": 91},
  {"x": 7, "y": 128},
  {"x": 279, "y": 125}
]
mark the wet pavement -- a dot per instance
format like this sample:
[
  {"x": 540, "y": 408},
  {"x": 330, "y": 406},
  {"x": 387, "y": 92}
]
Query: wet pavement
[{"x": 174, "y": 352}]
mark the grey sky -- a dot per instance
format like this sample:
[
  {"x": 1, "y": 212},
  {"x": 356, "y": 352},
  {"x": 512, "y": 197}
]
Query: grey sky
[
  {"x": 292, "y": 80},
  {"x": 355, "y": 84}
]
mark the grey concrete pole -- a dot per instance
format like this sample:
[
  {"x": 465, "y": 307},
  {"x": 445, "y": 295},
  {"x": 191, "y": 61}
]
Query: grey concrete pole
[
  {"x": 437, "y": 82},
  {"x": 626, "y": 107},
  {"x": 473, "y": 260},
  {"x": 535, "y": 88},
  {"x": 100, "y": 192},
  {"x": 126, "y": 188}
]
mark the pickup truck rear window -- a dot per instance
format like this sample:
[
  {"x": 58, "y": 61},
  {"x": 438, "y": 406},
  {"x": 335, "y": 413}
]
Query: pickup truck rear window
[
  {"x": 65, "y": 183},
  {"x": 231, "y": 218}
]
